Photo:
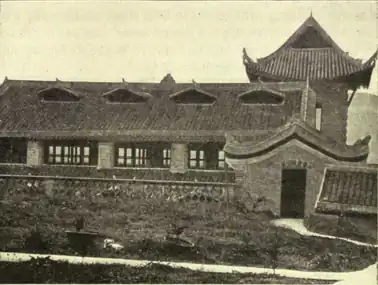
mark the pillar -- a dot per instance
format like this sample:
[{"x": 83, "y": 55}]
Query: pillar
[
  {"x": 105, "y": 155},
  {"x": 34, "y": 153},
  {"x": 179, "y": 158}
]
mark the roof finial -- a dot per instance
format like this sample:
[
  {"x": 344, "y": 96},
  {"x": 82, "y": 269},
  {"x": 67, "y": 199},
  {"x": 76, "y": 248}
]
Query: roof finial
[
  {"x": 57, "y": 80},
  {"x": 311, "y": 13},
  {"x": 194, "y": 83},
  {"x": 246, "y": 58},
  {"x": 124, "y": 81}
]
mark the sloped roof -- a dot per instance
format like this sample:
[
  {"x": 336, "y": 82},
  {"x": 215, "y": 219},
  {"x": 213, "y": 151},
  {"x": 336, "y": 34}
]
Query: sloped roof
[
  {"x": 295, "y": 128},
  {"x": 22, "y": 114},
  {"x": 349, "y": 189},
  {"x": 310, "y": 53}
]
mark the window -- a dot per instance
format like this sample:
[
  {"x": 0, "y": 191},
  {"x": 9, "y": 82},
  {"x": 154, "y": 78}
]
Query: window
[
  {"x": 13, "y": 150},
  {"x": 131, "y": 156},
  {"x": 69, "y": 154},
  {"x": 221, "y": 159},
  {"x": 262, "y": 97},
  {"x": 318, "y": 117},
  {"x": 123, "y": 95},
  {"x": 196, "y": 158},
  {"x": 166, "y": 157},
  {"x": 193, "y": 96},
  {"x": 58, "y": 95}
]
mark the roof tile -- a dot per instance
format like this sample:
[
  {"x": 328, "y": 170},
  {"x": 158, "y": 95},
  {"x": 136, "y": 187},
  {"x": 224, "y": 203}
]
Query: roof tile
[
  {"x": 350, "y": 187},
  {"x": 23, "y": 111}
]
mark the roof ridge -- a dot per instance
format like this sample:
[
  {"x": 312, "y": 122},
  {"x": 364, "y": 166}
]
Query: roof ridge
[{"x": 309, "y": 22}]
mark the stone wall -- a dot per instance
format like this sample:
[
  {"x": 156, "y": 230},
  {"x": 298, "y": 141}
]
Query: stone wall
[{"x": 131, "y": 189}]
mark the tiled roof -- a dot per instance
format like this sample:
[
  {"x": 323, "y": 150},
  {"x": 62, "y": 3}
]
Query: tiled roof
[
  {"x": 23, "y": 113},
  {"x": 352, "y": 189},
  {"x": 310, "y": 53},
  {"x": 316, "y": 64},
  {"x": 296, "y": 129}
]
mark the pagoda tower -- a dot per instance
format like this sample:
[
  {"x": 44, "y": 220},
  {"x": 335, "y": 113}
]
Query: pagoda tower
[
  {"x": 308, "y": 157},
  {"x": 311, "y": 54}
]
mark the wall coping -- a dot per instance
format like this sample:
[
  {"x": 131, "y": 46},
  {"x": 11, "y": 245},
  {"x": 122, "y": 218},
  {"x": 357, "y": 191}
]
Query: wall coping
[{"x": 90, "y": 179}]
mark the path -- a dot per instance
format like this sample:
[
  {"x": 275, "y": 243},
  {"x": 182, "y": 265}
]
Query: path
[
  {"x": 297, "y": 225},
  {"x": 15, "y": 257},
  {"x": 368, "y": 276}
]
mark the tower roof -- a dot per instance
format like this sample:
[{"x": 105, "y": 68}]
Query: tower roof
[{"x": 310, "y": 53}]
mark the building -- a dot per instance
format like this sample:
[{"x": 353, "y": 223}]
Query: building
[{"x": 284, "y": 126}]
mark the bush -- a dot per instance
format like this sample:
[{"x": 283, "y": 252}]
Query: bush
[{"x": 35, "y": 243}]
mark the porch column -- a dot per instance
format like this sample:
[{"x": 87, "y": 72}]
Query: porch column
[
  {"x": 179, "y": 158},
  {"x": 105, "y": 155},
  {"x": 35, "y": 153}
]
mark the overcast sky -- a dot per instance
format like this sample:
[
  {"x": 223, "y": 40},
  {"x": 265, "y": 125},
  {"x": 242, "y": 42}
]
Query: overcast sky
[{"x": 143, "y": 41}]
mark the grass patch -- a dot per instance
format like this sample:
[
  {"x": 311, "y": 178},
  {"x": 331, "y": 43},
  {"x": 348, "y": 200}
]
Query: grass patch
[{"x": 140, "y": 224}]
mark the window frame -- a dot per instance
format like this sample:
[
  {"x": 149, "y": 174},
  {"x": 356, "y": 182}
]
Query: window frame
[
  {"x": 70, "y": 153},
  {"x": 131, "y": 152},
  {"x": 197, "y": 158},
  {"x": 221, "y": 160},
  {"x": 166, "y": 163},
  {"x": 318, "y": 116},
  {"x": 13, "y": 151}
]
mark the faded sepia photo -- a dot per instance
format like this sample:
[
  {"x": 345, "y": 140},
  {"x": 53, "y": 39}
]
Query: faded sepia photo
[{"x": 188, "y": 142}]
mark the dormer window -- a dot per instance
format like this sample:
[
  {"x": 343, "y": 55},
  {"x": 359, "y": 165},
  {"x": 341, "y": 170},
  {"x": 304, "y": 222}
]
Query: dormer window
[
  {"x": 124, "y": 95},
  {"x": 57, "y": 94},
  {"x": 262, "y": 97},
  {"x": 193, "y": 96}
]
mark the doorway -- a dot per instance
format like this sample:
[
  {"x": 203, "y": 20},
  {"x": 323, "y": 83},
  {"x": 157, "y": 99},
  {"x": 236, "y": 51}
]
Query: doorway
[{"x": 293, "y": 193}]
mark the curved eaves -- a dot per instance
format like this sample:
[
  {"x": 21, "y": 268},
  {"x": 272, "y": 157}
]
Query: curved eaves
[{"x": 354, "y": 153}]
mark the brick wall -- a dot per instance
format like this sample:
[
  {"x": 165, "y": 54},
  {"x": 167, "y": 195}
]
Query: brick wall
[
  {"x": 263, "y": 174},
  {"x": 334, "y": 101}
]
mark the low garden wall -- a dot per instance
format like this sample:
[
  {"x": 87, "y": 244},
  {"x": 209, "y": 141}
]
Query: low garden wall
[{"x": 124, "y": 173}]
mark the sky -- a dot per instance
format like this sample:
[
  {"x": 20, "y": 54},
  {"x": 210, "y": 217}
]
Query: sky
[{"x": 143, "y": 41}]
